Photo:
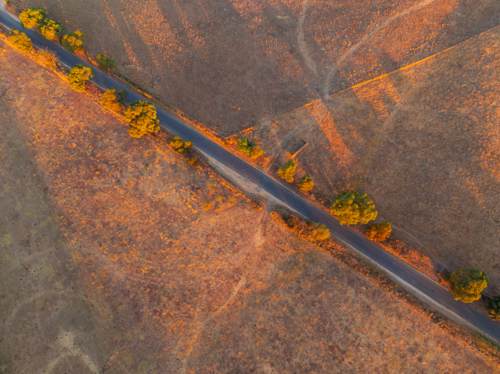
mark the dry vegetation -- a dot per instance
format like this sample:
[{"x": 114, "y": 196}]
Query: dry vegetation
[
  {"x": 423, "y": 142},
  {"x": 228, "y": 63},
  {"x": 110, "y": 260}
]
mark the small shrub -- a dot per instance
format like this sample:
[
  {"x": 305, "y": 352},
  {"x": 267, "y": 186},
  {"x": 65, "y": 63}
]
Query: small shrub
[
  {"x": 249, "y": 148},
  {"x": 74, "y": 42},
  {"x": 105, "y": 62},
  {"x": 379, "y": 232},
  {"x": 179, "y": 146},
  {"x": 318, "y": 231},
  {"x": 287, "y": 171},
  {"x": 51, "y": 30},
  {"x": 291, "y": 222},
  {"x": 141, "y": 117},
  {"x": 193, "y": 161},
  {"x": 78, "y": 76},
  {"x": 32, "y": 18},
  {"x": 20, "y": 41},
  {"x": 466, "y": 285},
  {"x": 113, "y": 99},
  {"x": 306, "y": 183},
  {"x": 493, "y": 307},
  {"x": 47, "y": 58},
  {"x": 351, "y": 208}
]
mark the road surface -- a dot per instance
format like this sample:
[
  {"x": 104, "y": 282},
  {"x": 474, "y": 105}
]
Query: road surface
[{"x": 415, "y": 282}]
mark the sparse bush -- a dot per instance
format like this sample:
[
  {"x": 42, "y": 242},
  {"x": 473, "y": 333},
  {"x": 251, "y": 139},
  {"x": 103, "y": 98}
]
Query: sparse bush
[
  {"x": 141, "y": 117},
  {"x": 379, "y": 232},
  {"x": 287, "y": 171},
  {"x": 74, "y": 42},
  {"x": 351, "y": 208},
  {"x": 114, "y": 99},
  {"x": 493, "y": 307},
  {"x": 193, "y": 161},
  {"x": 32, "y": 18},
  {"x": 51, "y": 30},
  {"x": 20, "y": 41},
  {"x": 105, "y": 62},
  {"x": 318, "y": 231},
  {"x": 249, "y": 148},
  {"x": 466, "y": 285},
  {"x": 179, "y": 146},
  {"x": 78, "y": 76},
  {"x": 306, "y": 183},
  {"x": 47, "y": 58}
]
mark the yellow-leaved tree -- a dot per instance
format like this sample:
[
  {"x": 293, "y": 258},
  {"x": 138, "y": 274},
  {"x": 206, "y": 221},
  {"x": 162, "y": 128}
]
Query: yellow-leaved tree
[
  {"x": 379, "y": 232},
  {"x": 78, "y": 76},
  {"x": 466, "y": 285},
  {"x": 351, "y": 208},
  {"x": 141, "y": 117}
]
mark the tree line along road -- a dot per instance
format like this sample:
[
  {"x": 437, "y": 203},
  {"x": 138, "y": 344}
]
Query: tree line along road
[{"x": 413, "y": 281}]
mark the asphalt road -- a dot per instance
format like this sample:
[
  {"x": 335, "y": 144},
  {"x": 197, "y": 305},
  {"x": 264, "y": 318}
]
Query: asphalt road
[{"x": 426, "y": 289}]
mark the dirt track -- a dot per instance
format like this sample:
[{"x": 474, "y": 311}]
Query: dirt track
[{"x": 161, "y": 279}]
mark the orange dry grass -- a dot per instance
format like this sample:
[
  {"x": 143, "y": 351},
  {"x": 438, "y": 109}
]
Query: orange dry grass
[{"x": 174, "y": 286}]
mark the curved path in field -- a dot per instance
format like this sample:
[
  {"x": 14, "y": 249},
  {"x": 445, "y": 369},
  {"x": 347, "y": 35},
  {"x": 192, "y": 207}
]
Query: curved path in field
[{"x": 412, "y": 280}]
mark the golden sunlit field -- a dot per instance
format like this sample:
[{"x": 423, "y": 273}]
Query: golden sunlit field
[{"x": 119, "y": 257}]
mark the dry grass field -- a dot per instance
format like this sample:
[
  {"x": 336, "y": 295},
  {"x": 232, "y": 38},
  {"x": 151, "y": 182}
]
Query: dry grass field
[
  {"x": 112, "y": 262},
  {"x": 228, "y": 63},
  {"x": 423, "y": 142}
]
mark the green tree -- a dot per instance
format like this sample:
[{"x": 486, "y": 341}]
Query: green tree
[
  {"x": 20, "y": 41},
  {"x": 141, "y": 117},
  {"x": 105, "y": 62},
  {"x": 51, "y": 30},
  {"x": 493, "y": 307},
  {"x": 32, "y": 18},
  {"x": 318, "y": 231},
  {"x": 287, "y": 171},
  {"x": 306, "y": 183},
  {"x": 466, "y": 285},
  {"x": 249, "y": 148},
  {"x": 114, "y": 99},
  {"x": 351, "y": 208},
  {"x": 74, "y": 42},
  {"x": 179, "y": 146},
  {"x": 78, "y": 76},
  {"x": 379, "y": 232}
]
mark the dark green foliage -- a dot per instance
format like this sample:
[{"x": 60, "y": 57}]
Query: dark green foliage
[
  {"x": 78, "y": 76},
  {"x": 141, "y": 117},
  {"x": 468, "y": 284},
  {"x": 351, "y": 208},
  {"x": 105, "y": 62},
  {"x": 493, "y": 307},
  {"x": 287, "y": 171},
  {"x": 249, "y": 148}
]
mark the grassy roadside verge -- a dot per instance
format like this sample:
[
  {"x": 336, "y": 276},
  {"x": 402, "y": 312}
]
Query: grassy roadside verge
[{"x": 376, "y": 277}]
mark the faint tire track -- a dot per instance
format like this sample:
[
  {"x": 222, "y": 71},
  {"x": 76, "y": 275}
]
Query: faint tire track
[{"x": 333, "y": 69}]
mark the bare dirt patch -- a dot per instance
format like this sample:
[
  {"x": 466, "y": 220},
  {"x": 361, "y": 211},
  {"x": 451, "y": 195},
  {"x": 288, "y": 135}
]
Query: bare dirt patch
[{"x": 166, "y": 282}]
